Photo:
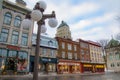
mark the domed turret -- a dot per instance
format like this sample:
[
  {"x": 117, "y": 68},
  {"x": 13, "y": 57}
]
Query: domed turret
[{"x": 63, "y": 31}]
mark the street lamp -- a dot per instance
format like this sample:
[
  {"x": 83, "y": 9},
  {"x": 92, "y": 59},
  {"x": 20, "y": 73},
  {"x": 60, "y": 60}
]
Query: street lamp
[{"x": 37, "y": 15}]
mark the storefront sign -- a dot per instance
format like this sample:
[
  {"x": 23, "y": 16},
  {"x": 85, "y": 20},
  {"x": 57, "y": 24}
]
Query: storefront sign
[
  {"x": 13, "y": 47},
  {"x": 87, "y": 65},
  {"x": 99, "y": 66},
  {"x": 48, "y": 60}
]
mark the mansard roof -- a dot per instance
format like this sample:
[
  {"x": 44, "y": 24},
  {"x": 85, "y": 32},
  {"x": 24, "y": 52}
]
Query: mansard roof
[{"x": 113, "y": 43}]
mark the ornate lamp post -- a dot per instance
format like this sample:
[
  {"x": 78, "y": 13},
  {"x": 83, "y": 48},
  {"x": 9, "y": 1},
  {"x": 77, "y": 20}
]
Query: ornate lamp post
[{"x": 37, "y": 15}]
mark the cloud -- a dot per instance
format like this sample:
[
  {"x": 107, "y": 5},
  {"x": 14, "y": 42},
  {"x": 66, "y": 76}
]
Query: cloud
[
  {"x": 92, "y": 28},
  {"x": 105, "y": 18}
]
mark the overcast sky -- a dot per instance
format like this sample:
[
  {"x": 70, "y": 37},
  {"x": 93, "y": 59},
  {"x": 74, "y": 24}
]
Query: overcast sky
[{"x": 87, "y": 19}]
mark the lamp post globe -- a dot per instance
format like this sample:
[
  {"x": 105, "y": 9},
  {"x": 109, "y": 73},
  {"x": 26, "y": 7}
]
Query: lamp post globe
[
  {"x": 36, "y": 15},
  {"x": 26, "y": 23},
  {"x": 42, "y": 4},
  {"x": 52, "y": 22},
  {"x": 43, "y": 29}
]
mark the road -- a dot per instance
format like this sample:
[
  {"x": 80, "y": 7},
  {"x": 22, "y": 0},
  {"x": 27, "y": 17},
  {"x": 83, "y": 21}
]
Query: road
[{"x": 103, "y": 76}]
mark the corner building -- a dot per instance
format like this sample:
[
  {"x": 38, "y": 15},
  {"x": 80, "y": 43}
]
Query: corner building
[
  {"x": 68, "y": 54},
  {"x": 113, "y": 55},
  {"x": 15, "y": 40}
]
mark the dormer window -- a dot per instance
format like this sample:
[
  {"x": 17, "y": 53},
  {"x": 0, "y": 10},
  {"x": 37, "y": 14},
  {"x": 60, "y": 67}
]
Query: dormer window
[{"x": 50, "y": 43}]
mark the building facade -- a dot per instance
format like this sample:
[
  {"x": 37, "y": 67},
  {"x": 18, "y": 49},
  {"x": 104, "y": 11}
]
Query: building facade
[
  {"x": 15, "y": 40},
  {"x": 47, "y": 56},
  {"x": 63, "y": 31},
  {"x": 113, "y": 55},
  {"x": 68, "y": 54},
  {"x": 85, "y": 56},
  {"x": 96, "y": 57}
]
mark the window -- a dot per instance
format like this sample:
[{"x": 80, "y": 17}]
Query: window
[
  {"x": 112, "y": 65},
  {"x": 69, "y": 55},
  {"x": 17, "y": 21},
  {"x": 118, "y": 64},
  {"x": 110, "y": 57},
  {"x": 82, "y": 51},
  {"x": 52, "y": 53},
  {"x": 12, "y": 53},
  {"x": 63, "y": 45},
  {"x": 24, "y": 40},
  {"x": 50, "y": 43},
  {"x": 3, "y": 52},
  {"x": 15, "y": 35},
  {"x": 75, "y": 47},
  {"x": 63, "y": 54},
  {"x": 22, "y": 55},
  {"x": 44, "y": 51},
  {"x": 69, "y": 47},
  {"x": 4, "y": 35},
  {"x": 7, "y": 18},
  {"x": 75, "y": 55},
  {"x": 117, "y": 55}
]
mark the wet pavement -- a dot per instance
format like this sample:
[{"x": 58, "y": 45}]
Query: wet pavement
[{"x": 103, "y": 76}]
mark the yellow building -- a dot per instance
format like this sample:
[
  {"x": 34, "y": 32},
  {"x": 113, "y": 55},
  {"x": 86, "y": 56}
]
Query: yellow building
[
  {"x": 96, "y": 57},
  {"x": 63, "y": 31}
]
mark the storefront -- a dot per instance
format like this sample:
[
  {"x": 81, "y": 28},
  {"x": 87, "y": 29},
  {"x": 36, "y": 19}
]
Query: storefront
[
  {"x": 46, "y": 65},
  {"x": 13, "y": 60},
  {"x": 99, "y": 68},
  {"x": 92, "y": 67},
  {"x": 68, "y": 67},
  {"x": 86, "y": 67}
]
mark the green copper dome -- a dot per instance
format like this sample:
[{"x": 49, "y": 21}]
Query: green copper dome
[
  {"x": 63, "y": 24},
  {"x": 113, "y": 43}
]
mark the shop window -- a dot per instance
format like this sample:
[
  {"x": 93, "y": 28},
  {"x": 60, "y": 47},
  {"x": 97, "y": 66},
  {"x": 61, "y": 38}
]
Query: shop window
[
  {"x": 17, "y": 21},
  {"x": 22, "y": 61},
  {"x": 24, "y": 40},
  {"x": 51, "y": 67},
  {"x": 22, "y": 55},
  {"x": 7, "y": 18},
  {"x": 3, "y": 53},
  {"x": 2, "y": 63},
  {"x": 4, "y": 35},
  {"x": 12, "y": 54},
  {"x": 15, "y": 36}
]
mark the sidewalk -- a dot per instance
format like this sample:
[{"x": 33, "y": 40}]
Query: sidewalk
[{"x": 43, "y": 75}]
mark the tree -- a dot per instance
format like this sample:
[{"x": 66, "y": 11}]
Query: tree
[
  {"x": 103, "y": 44},
  {"x": 118, "y": 36}
]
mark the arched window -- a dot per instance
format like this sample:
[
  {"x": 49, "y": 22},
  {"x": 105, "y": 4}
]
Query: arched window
[
  {"x": 17, "y": 21},
  {"x": 7, "y": 18}
]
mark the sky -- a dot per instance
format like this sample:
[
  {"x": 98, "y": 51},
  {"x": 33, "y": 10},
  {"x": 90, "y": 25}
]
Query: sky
[{"x": 88, "y": 19}]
